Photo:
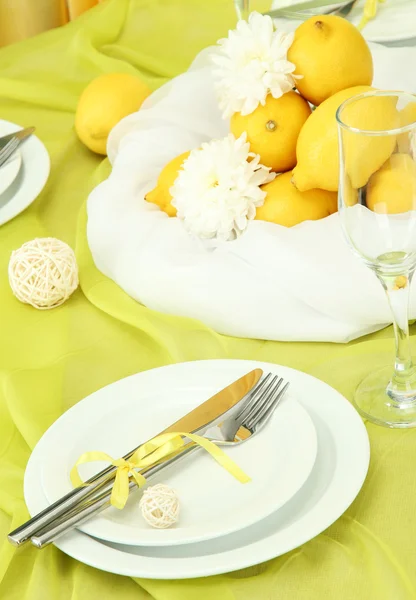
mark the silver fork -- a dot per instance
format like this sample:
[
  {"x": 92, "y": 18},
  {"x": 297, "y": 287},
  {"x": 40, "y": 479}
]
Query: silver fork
[
  {"x": 235, "y": 430},
  {"x": 301, "y": 12},
  {"x": 8, "y": 150}
]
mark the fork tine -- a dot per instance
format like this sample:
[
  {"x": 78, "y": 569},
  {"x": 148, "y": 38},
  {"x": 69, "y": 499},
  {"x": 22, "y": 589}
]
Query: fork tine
[
  {"x": 255, "y": 396},
  {"x": 9, "y": 146},
  {"x": 268, "y": 409},
  {"x": 9, "y": 154},
  {"x": 13, "y": 144},
  {"x": 5, "y": 149},
  {"x": 8, "y": 150},
  {"x": 248, "y": 416},
  {"x": 252, "y": 416}
]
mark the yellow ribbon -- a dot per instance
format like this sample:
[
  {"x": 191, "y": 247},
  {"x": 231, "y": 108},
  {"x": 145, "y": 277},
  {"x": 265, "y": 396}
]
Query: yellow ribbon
[
  {"x": 147, "y": 455},
  {"x": 370, "y": 11}
]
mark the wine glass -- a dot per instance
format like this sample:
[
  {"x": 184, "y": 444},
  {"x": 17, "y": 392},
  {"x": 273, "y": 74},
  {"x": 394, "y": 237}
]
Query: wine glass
[
  {"x": 377, "y": 207},
  {"x": 242, "y": 8}
]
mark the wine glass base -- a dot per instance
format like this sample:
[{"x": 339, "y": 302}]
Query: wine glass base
[{"x": 374, "y": 404}]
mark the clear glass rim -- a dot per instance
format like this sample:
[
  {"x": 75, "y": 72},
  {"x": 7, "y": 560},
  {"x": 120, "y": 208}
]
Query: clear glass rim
[{"x": 373, "y": 132}]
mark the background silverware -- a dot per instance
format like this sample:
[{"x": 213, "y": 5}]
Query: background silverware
[
  {"x": 10, "y": 143},
  {"x": 196, "y": 421},
  {"x": 234, "y": 430},
  {"x": 8, "y": 150},
  {"x": 21, "y": 134},
  {"x": 305, "y": 10}
]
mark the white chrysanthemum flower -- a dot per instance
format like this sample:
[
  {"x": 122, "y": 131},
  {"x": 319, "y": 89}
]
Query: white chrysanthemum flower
[
  {"x": 218, "y": 190},
  {"x": 252, "y": 63}
]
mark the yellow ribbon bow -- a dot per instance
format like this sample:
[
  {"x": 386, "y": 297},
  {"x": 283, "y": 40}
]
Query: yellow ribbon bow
[
  {"x": 147, "y": 455},
  {"x": 370, "y": 11}
]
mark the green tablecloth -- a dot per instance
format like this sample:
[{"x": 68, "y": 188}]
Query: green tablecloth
[{"x": 50, "y": 360}]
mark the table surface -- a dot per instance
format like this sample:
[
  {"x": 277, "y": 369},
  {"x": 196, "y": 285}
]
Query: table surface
[{"x": 50, "y": 360}]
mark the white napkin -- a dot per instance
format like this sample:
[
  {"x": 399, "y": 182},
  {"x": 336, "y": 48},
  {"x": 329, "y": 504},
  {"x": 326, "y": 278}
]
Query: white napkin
[{"x": 297, "y": 284}]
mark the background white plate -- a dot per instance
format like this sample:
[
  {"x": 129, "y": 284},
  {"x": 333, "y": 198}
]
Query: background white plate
[
  {"x": 338, "y": 474},
  {"x": 395, "y": 20},
  {"x": 290, "y": 3},
  {"x": 31, "y": 178},
  {"x": 120, "y": 416},
  {"x": 9, "y": 171}
]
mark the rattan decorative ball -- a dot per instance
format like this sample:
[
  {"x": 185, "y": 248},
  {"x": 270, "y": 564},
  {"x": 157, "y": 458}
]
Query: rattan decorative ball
[
  {"x": 43, "y": 273},
  {"x": 160, "y": 506}
]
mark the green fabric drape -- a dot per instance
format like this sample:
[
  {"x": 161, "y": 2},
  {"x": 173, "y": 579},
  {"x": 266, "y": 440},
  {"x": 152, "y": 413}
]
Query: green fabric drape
[{"x": 50, "y": 360}]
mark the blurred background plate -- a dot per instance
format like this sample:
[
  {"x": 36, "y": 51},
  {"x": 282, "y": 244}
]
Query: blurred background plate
[
  {"x": 31, "y": 178},
  {"x": 9, "y": 171},
  {"x": 395, "y": 20}
]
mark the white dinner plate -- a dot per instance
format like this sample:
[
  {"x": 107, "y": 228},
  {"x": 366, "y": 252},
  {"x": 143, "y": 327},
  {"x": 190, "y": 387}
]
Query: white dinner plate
[
  {"x": 337, "y": 476},
  {"x": 116, "y": 418},
  {"x": 9, "y": 171},
  {"x": 276, "y": 4},
  {"x": 30, "y": 179},
  {"x": 395, "y": 20}
]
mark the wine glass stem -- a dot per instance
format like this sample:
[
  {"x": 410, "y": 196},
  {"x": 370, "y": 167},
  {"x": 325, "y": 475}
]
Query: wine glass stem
[
  {"x": 242, "y": 8},
  {"x": 402, "y": 386}
]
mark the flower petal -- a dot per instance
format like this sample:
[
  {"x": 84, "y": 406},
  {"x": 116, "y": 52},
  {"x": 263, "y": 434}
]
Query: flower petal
[
  {"x": 251, "y": 63},
  {"x": 217, "y": 189}
]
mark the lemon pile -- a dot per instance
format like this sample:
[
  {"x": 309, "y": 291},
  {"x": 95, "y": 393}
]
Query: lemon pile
[{"x": 296, "y": 135}]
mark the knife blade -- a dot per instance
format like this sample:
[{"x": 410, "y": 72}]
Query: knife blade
[
  {"x": 20, "y": 135},
  {"x": 197, "y": 421},
  {"x": 204, "y": 415}
]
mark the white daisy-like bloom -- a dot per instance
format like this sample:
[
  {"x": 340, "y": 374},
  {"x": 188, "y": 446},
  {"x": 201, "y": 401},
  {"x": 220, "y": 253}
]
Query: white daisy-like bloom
[
  {"x": 252, "y": 63},
  {"x": 218, "y": 190}
]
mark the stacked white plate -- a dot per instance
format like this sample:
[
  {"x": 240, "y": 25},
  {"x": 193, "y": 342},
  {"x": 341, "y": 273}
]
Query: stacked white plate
[
  {"x": 394, "y": 21},
  {"x": 306, "y": 468},
  {"x": 23, "y": 176}
]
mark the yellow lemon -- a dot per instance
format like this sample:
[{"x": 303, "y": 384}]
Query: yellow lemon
[
  {"x": 392, "y": 189},
  {"x": 407, "y": 117},
  {"x": 103, "y": 103},
  {"x": 365, "y": 154},
  {"x": 273, "y": 129},
  {"x": 161, "y": 195},
  {"x": 350, "y": 195},
  {"x": 285, "y": 205},
  {"x": 331, "y": 55},
  {"x": 317, "y": 147}
]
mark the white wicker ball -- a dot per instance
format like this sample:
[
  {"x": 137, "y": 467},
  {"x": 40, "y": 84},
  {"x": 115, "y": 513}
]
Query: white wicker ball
[
  {"x": 160, "y": 506},
  {"x": 43, "y": 273}
]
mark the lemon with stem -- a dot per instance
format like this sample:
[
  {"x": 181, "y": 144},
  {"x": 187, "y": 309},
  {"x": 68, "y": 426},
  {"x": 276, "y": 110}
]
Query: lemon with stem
[{"x": 273, "y": 129}]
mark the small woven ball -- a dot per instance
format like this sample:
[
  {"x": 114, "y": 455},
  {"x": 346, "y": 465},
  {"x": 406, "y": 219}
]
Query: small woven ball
[
  {"x": 160, "y": 506},
  {"x": 43, "y": 273}
]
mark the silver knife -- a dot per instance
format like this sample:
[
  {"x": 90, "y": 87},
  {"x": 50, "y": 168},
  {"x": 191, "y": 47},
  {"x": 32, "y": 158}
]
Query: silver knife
[
  {"x": 196, "y": 421},
  {"x": 20, "y": 135}
]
